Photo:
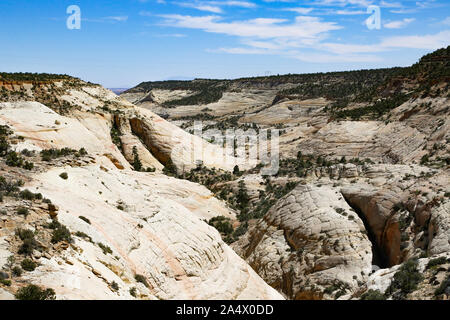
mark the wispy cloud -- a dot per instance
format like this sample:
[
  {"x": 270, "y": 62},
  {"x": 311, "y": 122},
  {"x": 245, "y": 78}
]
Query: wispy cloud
[
  {"x": 302, "y": 27},
  {"x": 307, "y": 36},
  {"x": 200, "y": 6},
  {"x": 110, "y": 19},
  {"x": 399, "y": 23},
  {"x": 117, "y": 18},
  {"x": 215, "y": 6},
  {"x": 299, "y": 10}
]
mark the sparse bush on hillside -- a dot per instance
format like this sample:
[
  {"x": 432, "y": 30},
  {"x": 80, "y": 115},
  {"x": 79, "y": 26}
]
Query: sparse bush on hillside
[
  {"x": 137, "y": 164},
  {"x": 17, "y": 271},
  {"x": 28, "y": 265},
  {"x": 9, "y": 187},
  {"x": 443, "y": 287},
  {"x": 222, "y": 224},
  {"x": 28, "y": 195},
  {"x": 115, "y": 136},
  {"x": 133, "y": 292},
  {"x": 376, "y": 110},
  {"x": 34, "y": 77},
  {"x": 85, "y": 219},
  {"x": 23, "y": 211},
  {"x": 170, "y": 169},
  {"x": 105, "y": 248},
  {"x": 436, "y": 262},
  {"x": 140, "y": 278},
  {"x": 29, "y": 242},
  {"x": 61, "y": 234},
  {"x": 51, "y": 154}
]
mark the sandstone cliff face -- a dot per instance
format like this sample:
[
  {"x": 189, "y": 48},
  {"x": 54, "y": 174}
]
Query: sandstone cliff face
[
  {"x": 170, "y": 144},
  {"x": 309, "y": 242}
]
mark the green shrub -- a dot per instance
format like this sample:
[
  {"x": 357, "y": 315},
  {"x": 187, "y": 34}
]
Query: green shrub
[
  {"x": 436, "y": 262},
  {"x": 405, "y": 281},
  {"x": 105, "y": 248},
  {"x": 85, "y": 219},
  {"x": 13, "y": 159},
  {"x": 5, "y": 282},
  {"x": 444, "y": 285},
  {"x": 140, "y": 278},
  {"x": 23, "y": 211},
  {"x": 32, "y": 292},
  {"x": 133, "y": 292},
  {"x": 61, "y": 233},
  {"x": 50, "y": 154},
  {"x": 17, "y": 271},
  {"x": 8, "y": 186},
  {"x": 28, "y": 195},
  {"x": 54, "y": 224},
  {"x": 24, "y": 234},
  {"x": 137, "y": 164},
  {"x": 28, "y": 265},
  {"x": 115, "y": 286},
  {"x": 170, "y": 169},
  {"x": 222, "y": 224},
  {"x": 64, "y": 176},
  {"x": 83, "y": 235},
  {"x": 28, "y": 165},
  {"x": 28, "y": 246},
  {"x": 115, "y": 136}
]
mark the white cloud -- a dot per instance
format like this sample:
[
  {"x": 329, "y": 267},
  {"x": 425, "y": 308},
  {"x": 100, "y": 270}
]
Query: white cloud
[
  {"x": 302, "y": 27},
  {"x": 299, "y": 10},
  {"x": 306, "y": 38},
  {"x": 399, "y": 23},
  {"x": 343, "y": 3},
  {"x": 389, "y": 4},
  {"x": 446, "y": 21},
  {"x": 111, "y": 19},
  {"x": 350, "y": 12},
  {"x": 215, "y": 6},
  {"x": 201, "y": 7},
  {"x": 242, "y": 4},
  {"x": 430, "y": 42}
]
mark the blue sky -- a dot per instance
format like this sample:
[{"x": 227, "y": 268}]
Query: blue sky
[{"x": 124, "y": 42}]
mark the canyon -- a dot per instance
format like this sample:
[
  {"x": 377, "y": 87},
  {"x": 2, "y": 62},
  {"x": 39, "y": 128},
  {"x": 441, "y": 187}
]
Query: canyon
[{"x": 119, "y": 197}]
